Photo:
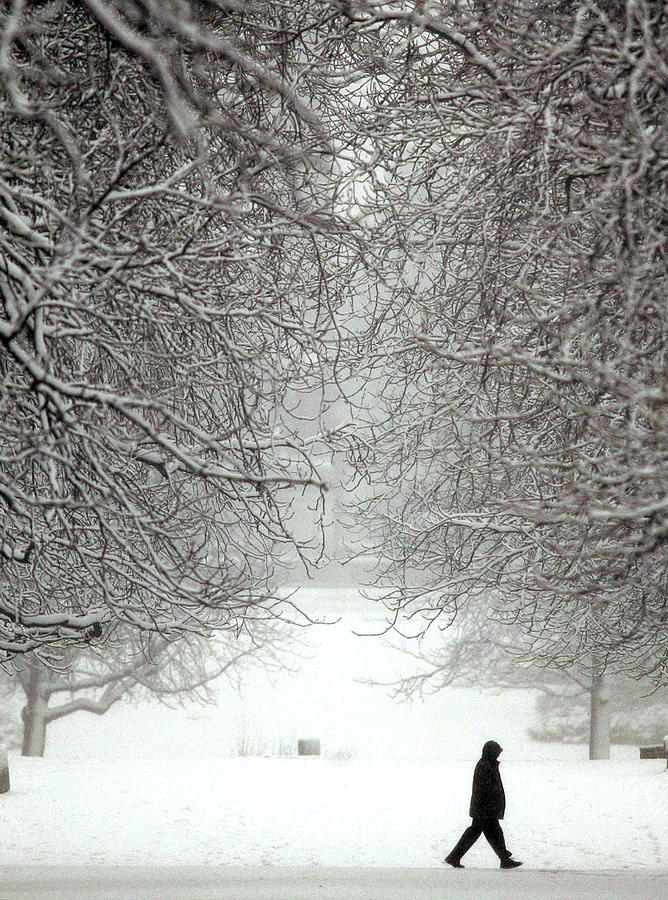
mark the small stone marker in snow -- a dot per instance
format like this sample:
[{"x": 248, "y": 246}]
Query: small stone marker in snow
[
  {"x": 655, "y": 751},
  {"x": 308, "y": 747},
  {"x": 4, "y": 771}
]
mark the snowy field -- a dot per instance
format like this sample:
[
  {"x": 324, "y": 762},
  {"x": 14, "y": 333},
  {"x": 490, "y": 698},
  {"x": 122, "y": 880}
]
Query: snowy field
[
  {"x": 314, "y": 812},
  {"x": 149, "y": 803}
]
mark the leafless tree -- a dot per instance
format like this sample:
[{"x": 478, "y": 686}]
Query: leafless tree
[
  {"x": 478, "y": 651},
  {"x": 516, "y": 158},
  {"x": 138, "y": 665},
  {"x": 173, "y": 256}
]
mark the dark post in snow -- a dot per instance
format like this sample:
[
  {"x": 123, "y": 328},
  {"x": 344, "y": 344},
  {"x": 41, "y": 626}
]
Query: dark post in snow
[
  {"x": 4, "y": 771},
  {"x": 308, "y": 747}
]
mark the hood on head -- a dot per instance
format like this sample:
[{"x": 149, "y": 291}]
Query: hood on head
[{"x": 491, "y": 750}]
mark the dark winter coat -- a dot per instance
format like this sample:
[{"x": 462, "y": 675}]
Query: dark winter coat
[{"x": 488, "y": 799}]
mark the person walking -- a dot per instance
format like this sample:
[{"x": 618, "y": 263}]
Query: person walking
[{"x": 488, "y": 805}]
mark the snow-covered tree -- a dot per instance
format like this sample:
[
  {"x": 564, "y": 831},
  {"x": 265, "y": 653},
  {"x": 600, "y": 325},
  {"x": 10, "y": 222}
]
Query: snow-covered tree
[
  {"x": 579, "y": 703},
  {"x": 172, "y": 261},
  {"x": 137, "y": 666},
  {"x": 516, "y": 160}
]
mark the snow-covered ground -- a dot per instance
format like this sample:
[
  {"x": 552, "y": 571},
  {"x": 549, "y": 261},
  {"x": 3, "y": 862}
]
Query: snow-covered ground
[
  {"x": 221, "y": 811},
  {"x": 145, "y": 786}
]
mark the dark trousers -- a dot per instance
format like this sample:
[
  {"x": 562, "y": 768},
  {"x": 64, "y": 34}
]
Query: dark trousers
[{"x": 492, "y": 830}]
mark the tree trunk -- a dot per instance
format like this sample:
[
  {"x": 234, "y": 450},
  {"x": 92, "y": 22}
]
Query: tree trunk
[
  {"x": 34, "y": 714},
  {"x": 599, "y": 722},
  {"x": 4, "y": 771}
]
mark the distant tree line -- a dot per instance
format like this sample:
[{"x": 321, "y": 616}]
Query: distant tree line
[{"x": 635, "y": 718}]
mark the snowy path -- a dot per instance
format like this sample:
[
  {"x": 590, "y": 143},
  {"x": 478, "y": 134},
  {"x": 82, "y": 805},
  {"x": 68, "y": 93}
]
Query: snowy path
[{"x": 198, "y": 883}]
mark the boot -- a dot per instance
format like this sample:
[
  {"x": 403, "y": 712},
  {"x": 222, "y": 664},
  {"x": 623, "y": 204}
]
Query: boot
[{"x": 509, "y": 863}]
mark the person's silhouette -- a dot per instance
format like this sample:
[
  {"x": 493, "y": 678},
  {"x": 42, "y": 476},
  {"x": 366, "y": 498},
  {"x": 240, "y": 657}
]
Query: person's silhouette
[{"x": 488, "y": 805}]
